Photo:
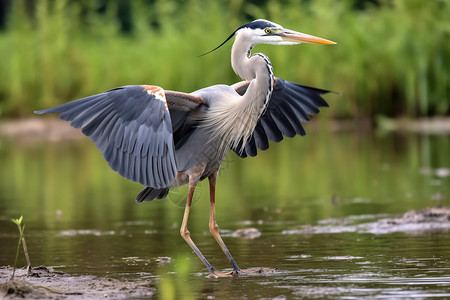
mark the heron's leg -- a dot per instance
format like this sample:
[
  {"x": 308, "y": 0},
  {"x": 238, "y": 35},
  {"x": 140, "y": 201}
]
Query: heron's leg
[
  {"x": 213, "y": 227},
  {"x": 187, "y": 237}
]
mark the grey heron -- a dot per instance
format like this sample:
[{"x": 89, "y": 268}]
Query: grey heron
[{"x": 164, "y": 139}]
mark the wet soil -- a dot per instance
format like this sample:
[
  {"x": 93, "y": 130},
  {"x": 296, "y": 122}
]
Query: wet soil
[
  {"x": 54, "y": 129},
  {"x": 430, "y": 219},
  {"x": 46, "y": 283},
  {"x": 36, "y": 129}
]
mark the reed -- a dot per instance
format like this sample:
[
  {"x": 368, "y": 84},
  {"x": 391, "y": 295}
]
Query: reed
[{"x": 392, "y": 58}]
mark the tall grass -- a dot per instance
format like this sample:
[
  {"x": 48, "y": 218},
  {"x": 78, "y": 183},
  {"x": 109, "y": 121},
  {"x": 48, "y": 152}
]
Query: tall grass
[{"x": 391, "y": 59}]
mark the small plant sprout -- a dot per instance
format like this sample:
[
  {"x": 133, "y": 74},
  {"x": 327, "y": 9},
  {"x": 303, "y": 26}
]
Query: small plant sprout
[{"x": 21, "y": 227}]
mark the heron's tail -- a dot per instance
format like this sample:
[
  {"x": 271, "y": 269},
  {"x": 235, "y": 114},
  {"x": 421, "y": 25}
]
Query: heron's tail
[{"x": 149, "y": 194}]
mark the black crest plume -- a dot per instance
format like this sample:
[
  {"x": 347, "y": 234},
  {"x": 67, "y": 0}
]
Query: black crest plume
[
  {"x": 260, "y": 23},
  {"x": 228, "y": 38}
]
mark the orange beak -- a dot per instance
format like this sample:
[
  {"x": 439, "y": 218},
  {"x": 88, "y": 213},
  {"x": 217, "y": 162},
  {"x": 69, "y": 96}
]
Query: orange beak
[{"x": 298, "y": 37}]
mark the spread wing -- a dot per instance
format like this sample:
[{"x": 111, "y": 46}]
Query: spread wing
[
  {"x": 132, "y": 127},
  {"x": 290, "y": 105}
]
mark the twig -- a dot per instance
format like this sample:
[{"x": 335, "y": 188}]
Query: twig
[{"x": 25, "y": 251}]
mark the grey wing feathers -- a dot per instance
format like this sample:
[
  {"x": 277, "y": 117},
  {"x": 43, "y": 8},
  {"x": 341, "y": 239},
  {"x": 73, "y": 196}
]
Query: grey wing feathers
[
  {"x": 131, "y": 126},
  {"x": 290, "y": 104},
  {"x": 181, "y": 106},
  {"x": 182, "y": 101},
  {"x": 149, "y": 194}
]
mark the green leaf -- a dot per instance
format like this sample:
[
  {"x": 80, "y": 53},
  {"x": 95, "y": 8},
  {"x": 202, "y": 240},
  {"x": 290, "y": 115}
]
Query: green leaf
[{"x": 17, "y": 221}]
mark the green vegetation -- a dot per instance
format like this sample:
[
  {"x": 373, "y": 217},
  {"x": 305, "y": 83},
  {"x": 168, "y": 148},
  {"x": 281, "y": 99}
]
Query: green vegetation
[
  {"x": 392, "y": 58},
  {"x": 175, "y": 282},
  {"x": 21, "y": 227}
]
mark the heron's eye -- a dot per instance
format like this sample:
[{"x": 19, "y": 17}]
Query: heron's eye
[{"x": 267, "y": 30}]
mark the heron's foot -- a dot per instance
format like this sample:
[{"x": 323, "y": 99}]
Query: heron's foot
[
  {"x": 246, "y": 272},
  {"x": 257, "y": 271},
  {"x": 217, "y": 274}
]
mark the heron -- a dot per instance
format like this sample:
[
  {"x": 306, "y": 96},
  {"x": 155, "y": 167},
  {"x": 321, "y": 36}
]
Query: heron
[{"x": 165, "y": 139}]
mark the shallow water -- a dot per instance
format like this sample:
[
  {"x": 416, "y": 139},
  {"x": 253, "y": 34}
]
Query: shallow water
[{"x": 81, "y": 218}]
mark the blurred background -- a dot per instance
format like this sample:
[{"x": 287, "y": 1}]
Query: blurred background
[
  {"x": 382, "y": 147},
  {"x": 392, "y": 57}
]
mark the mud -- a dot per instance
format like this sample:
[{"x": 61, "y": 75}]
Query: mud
[
  {"x": 246, "y": 233},
  {"x": 46, "y": 283},
  {"x": 412, "y": 222},
  {"x": 37, "y": 129},
  {"x": 53, "y": 129}
]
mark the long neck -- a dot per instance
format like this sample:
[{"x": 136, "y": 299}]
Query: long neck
[
  {"x": 235, "y": 119},
  {"x": 255, "y": 68},
  {"x": 258, "y": 70}
]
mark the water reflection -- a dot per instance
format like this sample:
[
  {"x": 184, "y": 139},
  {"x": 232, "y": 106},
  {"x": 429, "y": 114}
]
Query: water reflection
[{"x": 81, "y": 217}]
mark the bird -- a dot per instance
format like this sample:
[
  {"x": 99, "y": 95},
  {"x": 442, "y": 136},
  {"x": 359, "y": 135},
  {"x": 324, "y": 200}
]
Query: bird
[{"x": 165, "y": 139}]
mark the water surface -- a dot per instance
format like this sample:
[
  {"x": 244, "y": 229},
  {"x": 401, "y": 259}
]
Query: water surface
[{"x": 81, "y": 218}]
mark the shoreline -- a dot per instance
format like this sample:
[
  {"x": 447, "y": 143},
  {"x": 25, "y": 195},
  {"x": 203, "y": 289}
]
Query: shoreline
[{"x": 54, "y": 129}]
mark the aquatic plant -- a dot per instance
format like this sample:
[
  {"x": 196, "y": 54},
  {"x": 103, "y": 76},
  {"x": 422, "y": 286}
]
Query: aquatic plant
[{"x": 21, "y": 227}]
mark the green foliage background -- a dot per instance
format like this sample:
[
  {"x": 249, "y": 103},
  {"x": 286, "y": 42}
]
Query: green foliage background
[{"x": 392, "y": 57}]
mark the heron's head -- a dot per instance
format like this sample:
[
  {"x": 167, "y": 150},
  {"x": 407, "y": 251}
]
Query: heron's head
[{"x": 266, "y": 32}]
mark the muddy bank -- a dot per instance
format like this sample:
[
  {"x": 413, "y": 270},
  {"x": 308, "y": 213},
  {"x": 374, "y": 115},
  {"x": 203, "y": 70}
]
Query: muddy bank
[
  {"x": 434, "y": 125},
  {"x": 432, "y": 219},
  {"x": 46, "y": 283},
  {"x": 54, "y": 129}
]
